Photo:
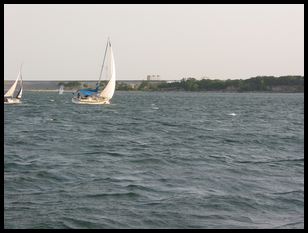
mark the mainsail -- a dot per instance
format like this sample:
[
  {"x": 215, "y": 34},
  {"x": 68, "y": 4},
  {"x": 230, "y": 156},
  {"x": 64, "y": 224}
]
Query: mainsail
[
  {"x": 110, "y": 87},
  {"x": 61, "y": 89},
  {"x": 11, "y": 91},
  {"x": 20, "y": 90},
  {"x": 19, "y": 94}
]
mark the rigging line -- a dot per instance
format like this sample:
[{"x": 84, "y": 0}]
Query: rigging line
[
  {"x": 20, "y": 75},
  {"x": 100, "y": 76}
]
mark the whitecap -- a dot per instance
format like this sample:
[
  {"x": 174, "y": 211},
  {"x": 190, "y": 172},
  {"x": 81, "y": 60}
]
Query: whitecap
[{"x": 154, "y": 107}]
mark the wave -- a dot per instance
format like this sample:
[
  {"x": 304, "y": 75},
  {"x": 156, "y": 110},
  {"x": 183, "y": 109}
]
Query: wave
[
  {"x": 114, "y": 194},
  {"x": 186, "y": 164}
]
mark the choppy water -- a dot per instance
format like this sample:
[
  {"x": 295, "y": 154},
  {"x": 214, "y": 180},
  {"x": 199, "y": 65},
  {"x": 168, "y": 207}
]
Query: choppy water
[{"x": 155, "y": 160}]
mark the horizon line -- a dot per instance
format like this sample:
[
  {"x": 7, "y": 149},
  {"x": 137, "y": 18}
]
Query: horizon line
[{"x": 95, "y": 80}]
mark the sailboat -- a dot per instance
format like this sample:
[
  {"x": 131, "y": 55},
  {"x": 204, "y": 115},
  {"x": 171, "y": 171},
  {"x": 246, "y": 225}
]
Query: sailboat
[
  {"x": 95, "y": 96},
  {"x": 61, "y": 90},
  {"x": 9, "y": 97}
]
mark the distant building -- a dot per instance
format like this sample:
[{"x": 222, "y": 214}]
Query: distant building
[{"x": 153, "y": 77}]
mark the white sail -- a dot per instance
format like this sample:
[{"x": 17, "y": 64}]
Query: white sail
[
  {"x": 19, "y": 95},
  {"x": 61, "y": 89},
  {"x": 11, "y": 91},
  {"x": 110, "y": 87}
]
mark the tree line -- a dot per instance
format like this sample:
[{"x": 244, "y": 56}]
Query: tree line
[{"x": 259, "y": 83}]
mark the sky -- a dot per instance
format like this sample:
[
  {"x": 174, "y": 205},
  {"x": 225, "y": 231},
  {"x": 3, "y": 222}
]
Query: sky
[{"x": 175, "y": 41}]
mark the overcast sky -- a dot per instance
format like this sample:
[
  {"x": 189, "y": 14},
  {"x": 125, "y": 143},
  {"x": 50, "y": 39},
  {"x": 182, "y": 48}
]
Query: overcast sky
[{"x": 66, "y": 42}]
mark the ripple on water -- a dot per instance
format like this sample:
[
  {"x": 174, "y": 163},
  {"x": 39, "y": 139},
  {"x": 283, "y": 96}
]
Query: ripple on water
[{"x": 155, "y": 160}]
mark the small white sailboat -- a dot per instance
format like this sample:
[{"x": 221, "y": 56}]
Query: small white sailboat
[
  {"x": 9, "y": 97},
  {"x": 61, "y": 90},
  {"x": 94, "y": 96}
]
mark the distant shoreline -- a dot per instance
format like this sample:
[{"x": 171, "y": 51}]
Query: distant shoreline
[
  {"x": 227, "y": 92},
  {"x": 42, "y": 90},
  {"x": 258, "y": 84}
]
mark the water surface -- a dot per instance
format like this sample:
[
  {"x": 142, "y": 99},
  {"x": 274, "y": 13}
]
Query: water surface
[{"x": 155, "y": 160}]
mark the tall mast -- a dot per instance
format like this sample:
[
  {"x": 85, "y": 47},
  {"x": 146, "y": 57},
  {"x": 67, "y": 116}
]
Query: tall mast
[
  {"x": 19, "y": 94},
  {"x": 100, "y": 76},
  {"x": 20, "y": 76}
]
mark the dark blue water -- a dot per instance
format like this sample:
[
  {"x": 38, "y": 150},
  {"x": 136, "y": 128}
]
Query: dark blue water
[{"x": 155, "y": 160}]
